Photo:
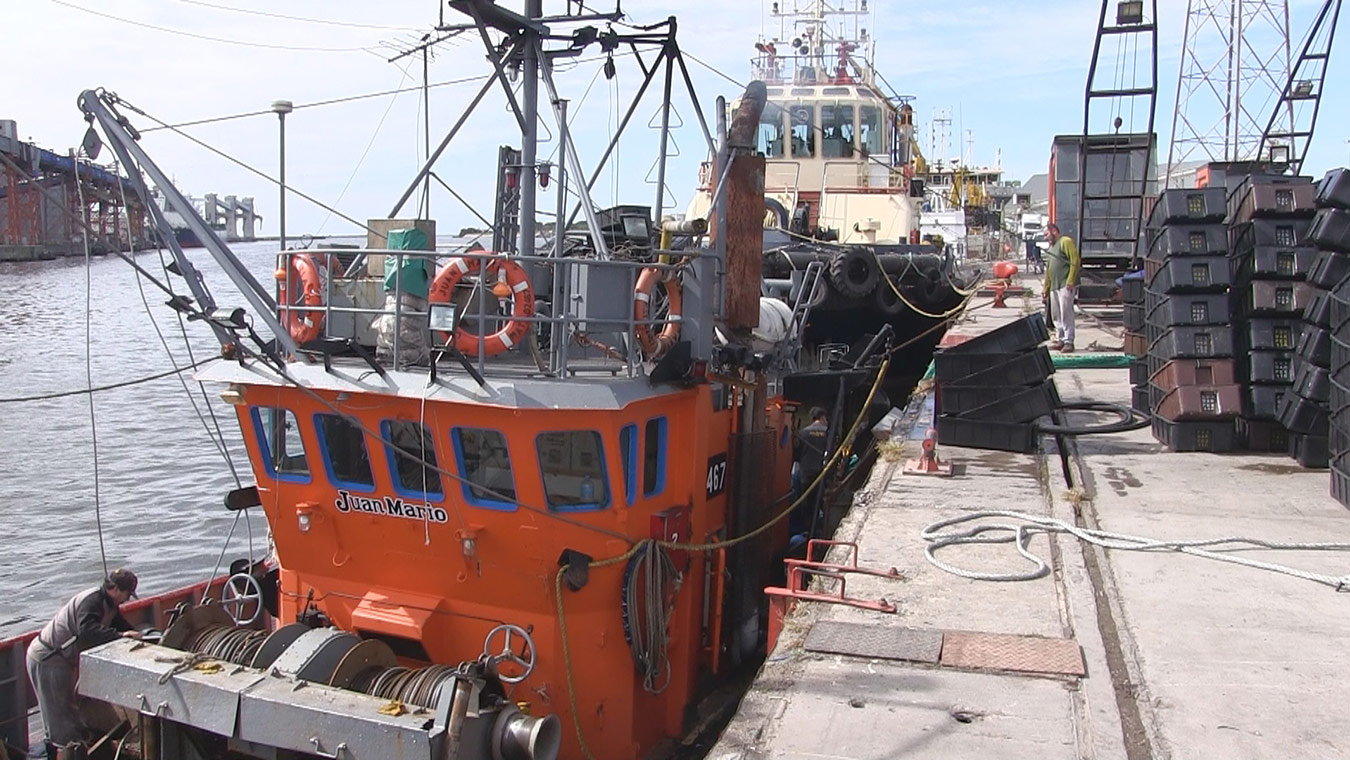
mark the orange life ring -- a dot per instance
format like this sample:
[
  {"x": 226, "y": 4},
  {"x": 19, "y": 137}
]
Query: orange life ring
[
  {"x": 303, "y": 283},
  {"x": 652, "y": 344},
  {"x": 522, "y": 304}
]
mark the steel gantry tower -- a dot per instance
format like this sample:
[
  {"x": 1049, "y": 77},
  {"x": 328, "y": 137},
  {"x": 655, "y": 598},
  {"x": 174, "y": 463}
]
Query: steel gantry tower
[{"x": 1235, "y": 63}]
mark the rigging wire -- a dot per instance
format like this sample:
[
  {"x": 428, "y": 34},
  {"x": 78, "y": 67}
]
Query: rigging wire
[
  {"x": 375, "y": 135},
  {"x": 88, "y": 368},
  {"x": 316, "y": 104},
  {"x": 218, "y": 438},
  {"x": 329, "y": 22},
  {"x": 109, "y": 387},
  {"x": 208, "y": 37},
  {"x": 246, "y": 166}
]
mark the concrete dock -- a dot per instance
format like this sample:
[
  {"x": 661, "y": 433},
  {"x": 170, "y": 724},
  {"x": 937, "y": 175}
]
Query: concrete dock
[{"x": 1181, "y": 656}]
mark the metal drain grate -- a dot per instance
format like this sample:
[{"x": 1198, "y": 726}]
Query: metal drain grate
[
  {"x": 877, "y": 641},
  {"x": 1024, "y": 654}
]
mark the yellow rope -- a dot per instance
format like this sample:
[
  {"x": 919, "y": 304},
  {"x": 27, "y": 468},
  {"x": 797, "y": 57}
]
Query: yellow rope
[{"x": 710, "y": 546}]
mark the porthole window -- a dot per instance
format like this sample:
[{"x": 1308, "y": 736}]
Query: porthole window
[
  {"x": 485, "y": 464},
  {"x": 412, "y": 459},
  {"x": 344, "y": 452},
  {"x": 283, "y": 452},
  {"x": 572, "y": 463}
]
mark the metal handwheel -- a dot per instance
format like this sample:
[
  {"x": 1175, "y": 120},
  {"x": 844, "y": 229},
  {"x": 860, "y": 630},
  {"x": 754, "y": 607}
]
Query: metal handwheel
[
  {"x": 236, "y": 595},
  {"x": 525, "y": 660}
]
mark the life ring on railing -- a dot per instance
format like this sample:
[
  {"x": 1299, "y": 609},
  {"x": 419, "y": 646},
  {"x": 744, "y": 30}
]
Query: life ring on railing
[
  {"x": 522, "y": 304},
  {"x": 653, "y": 344},
  {"x": 302, "y": 281}
]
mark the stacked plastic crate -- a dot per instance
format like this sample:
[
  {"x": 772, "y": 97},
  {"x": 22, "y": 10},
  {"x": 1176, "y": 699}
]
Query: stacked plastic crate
[
  {"x": 1268, "y": 226},
  {"x": 1136, "y": 345},
  {"x": 992, "y": 388},
  {"x": 1330, "y": 232},
  {"x": 1193, "y": 395}
]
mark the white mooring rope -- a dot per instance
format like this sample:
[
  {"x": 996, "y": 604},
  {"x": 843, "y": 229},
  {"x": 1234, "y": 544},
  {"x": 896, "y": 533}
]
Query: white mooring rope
[{"x": 1020, "y": 533}]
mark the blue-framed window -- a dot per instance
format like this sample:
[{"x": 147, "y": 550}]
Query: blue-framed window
[
  {"x": 283, "y": 451},
  {"x": 654, "y": 457},
  {"x": 628, "y": 449},
  {"x": 345, "y": 459},
  {"x": 785, "y": 435},
  {"x": 572, "y": 463},
  {"x": 411, "y": 452},
  {"x": 485, "y": 466}
]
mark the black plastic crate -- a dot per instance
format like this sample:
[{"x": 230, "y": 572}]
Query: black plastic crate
[
  {"x": 1217, "y": 437},
  {"x": 1272, "y": 197},
  {"x": 1193, "y": 342},
  {"x": 1022, "y": 335},
  {"x": 1263, "y": 435},
  {"x": 993, "y": 369},
  {"x": 1314, "y": 346},
  {"x": 1027, "y": 405},
  {"x": 1139, "y": 399},
  {"x": 960, "y": 399},
  {"x": 1279, "y": 233},
  {"x": 1191, "y": 309},
  {"x": 1305, "y": 416},
  {"x": 1313, "y": 382},
  {"x": 1272, "y": 333},
  {"x": 1302, "y": 415},
  {"x": 1133, "y": 316},
  {"x": 1330, "y": 268},
  {"x": 1132, "y": 290},
  {"x": 1333, "y": 190},
  {"x": 983, "y": 434},
  {"x": 1340, "y": 483},
  {"x": 1310, "y": 451},
  {"x": 1271, "y": 367},
  {"x": 1188, "y": 240},
  {"x": 1194, "y": 274},
  {"x": 1263, "y": 402},
  {"x": 1188, "y": 205},
  {"x": 1139, "y": 373},
  {"x": 1318, "y": 311},
  {"x": 1330, "y": 230},
  {"x": 1273, "y": 263},
  {"x": 1277, "y": 297}
]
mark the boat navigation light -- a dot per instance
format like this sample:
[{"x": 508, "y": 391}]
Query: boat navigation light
[
  {"x": 303, "y": 517},
  {"x": 233, "y": 395},
  {"x": 230, "y": 319}
]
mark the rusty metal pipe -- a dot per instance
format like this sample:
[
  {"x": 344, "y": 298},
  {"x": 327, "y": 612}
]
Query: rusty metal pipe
[{"x": 746, "y": 123}]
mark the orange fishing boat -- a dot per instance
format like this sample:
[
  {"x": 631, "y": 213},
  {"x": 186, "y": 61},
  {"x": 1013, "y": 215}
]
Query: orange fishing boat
[{"x": 527, "y": 511}]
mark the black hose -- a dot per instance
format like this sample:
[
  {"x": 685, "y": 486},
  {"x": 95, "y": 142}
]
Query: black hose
[{"x": 1129, "y": 419}]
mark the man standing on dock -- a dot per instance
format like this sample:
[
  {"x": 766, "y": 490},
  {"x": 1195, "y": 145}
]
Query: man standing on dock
[
  {"x": 90, "y": 619},
  {"x": 1062, "y": 266}
]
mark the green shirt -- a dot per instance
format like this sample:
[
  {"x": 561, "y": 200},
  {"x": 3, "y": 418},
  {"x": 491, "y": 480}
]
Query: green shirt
[
  {"x": 1062, "y": 264},
  {"x": 415, "y": 279}
]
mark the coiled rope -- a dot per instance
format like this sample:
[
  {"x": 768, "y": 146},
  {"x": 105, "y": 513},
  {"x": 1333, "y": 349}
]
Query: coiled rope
[{"x": 1026, "y": 526}]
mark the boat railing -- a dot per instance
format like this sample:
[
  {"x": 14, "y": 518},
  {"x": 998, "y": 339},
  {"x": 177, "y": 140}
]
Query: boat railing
[
  {"x": 864, "y": 177},
  {"x": 598, "y": 333}
]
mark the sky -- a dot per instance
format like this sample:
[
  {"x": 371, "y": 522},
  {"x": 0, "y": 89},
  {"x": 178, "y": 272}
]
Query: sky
[{"x": 1010, "y": 74}]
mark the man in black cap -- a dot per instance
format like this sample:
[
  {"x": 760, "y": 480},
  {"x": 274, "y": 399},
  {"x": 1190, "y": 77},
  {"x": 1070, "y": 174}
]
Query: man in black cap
[{"x": 89, "y": 619}]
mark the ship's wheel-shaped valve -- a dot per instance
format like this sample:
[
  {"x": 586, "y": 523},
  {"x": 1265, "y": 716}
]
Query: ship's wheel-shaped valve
[
  {"x": 240, "y": 594},
  {"x": 523, "y": 661}
]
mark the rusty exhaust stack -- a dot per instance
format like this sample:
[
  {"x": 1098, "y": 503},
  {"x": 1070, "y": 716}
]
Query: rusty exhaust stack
[{"x": 745, "y": 214}]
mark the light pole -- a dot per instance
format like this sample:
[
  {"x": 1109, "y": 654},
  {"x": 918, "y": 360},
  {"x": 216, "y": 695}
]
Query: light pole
[{"x": 281, "y": 108}]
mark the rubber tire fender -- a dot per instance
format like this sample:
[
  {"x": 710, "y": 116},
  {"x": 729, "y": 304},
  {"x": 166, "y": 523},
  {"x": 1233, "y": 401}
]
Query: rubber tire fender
[{"x": 853, "y": 272}]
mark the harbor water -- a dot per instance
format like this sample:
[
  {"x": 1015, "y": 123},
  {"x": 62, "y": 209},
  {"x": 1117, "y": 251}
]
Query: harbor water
[{"x": 160, "y": 480}]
